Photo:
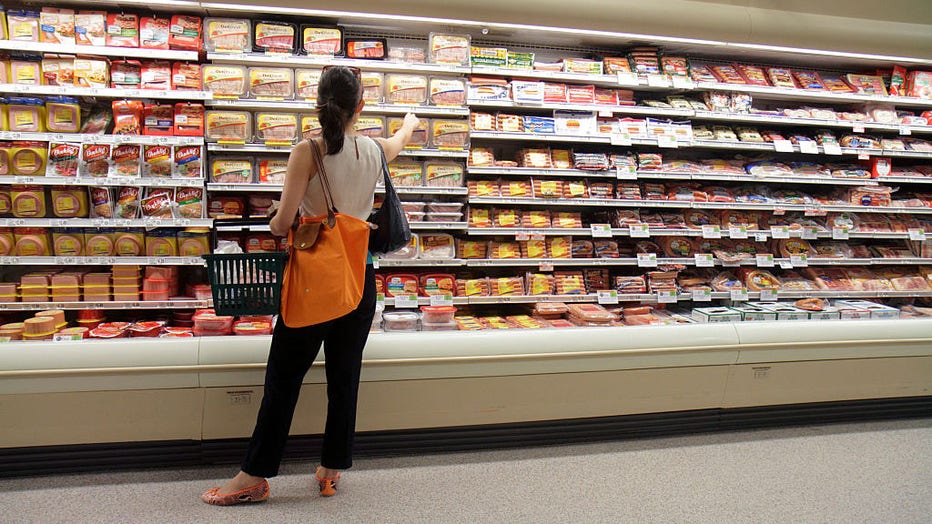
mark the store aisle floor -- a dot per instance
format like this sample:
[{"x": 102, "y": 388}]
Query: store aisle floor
[{"x": 872, "y": 472}]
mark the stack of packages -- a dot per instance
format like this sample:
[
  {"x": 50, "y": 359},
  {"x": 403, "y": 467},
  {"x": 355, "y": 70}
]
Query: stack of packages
[
  {"x": 160, "y": 283},
  {"x": 125, "y": 283}
]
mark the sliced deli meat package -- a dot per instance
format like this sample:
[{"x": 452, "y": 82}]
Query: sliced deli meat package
[
  {"x": 159, "y": 203},
  {"x": 122, "y": 30},
  {"x": 306, "y": 82},
  {"x": 95, "y": 160},
  {"x": 153, "y": 32},
  {"x": 190, "y": 202},
  {"x": 321, "y": 41},
  {"x": 126, "y": 160},
  {"x": 231, "y": 170},
  {"x": 157, "y": 161},
  {"x": 90, "y": 28},
  {"x": 188, "y": 119},
  {"x": 64, "y": 159},
  {"x": 272, "y": 170},
  {"x": 185, "y": 33},
  {"x": 227, "y": 35},
  {"x": 127, "y": 117},
  {"x": 186, "y": 76},
  {"x": 127, "y": 202},
  {"x": 449, "y": 134},
  {"x": 449, "y": 49},
  {"x": 275, "y": 37},
  {"x": 101, "y": 202},
  {"x": 233, "y": 127},
  {"x": 158, "y": 119},
  {"x": 188, "y": 162},
  {"x": 224, "y": 81},
  {"x": 275, "y": 83},
  {"x": 276, "y": 128}
]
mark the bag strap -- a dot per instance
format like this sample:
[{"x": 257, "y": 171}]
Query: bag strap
[
  {"x": 324, "y": 182},
  {"x": 387, "y": 179}
]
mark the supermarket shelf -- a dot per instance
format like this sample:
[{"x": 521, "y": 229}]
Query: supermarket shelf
[
  {"x": 661, "y": 261},
  {"x": 661, "y": 232},
  {"x": 104, "y": 92},
  {"x": 245, "y": 188},
  {"x": 533, "y": 299},
  {"x": 247, "y": 148},
  {"x": 127, "y": 52},
  {"x": 102, "y": 261},
  {"x": 106, "y": 182},
  {"x": 425, "y": 301},
  {"x": 666, "y": 175},
  {"x": 834, "y": 181},
  {"x": 530, "y": 171},
  {"x": 438, "y": 153},
  {"x": 262, "y": 228},
  {"x": 103, "y": 139},
  {"x": 527, "y": 232},
  {"x": 105, "y": 222},
  {"x": 426, "y": 190},
  {"x": 582, "y": 78},
  {"x": 421, "y": 263},
  {"x": 778, "y": 93},
  {"x": 602, "y": 109},
  {"x": 308, "y": 61},
  {"x": 546, "y": 137},
  {"x": 438, "y": 226},
  {"x": 752, "y": 118},
  {"x": 905, "y": 179},
  {"x": 308, "y": 106},
  {"x": 141, "y": 304}
]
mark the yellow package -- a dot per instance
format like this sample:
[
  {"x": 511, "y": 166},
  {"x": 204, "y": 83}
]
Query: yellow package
[
  {"x": 310, "y": 126},
  {"x": 276, "y": 128},
  {"x": 91, "y": 72}
]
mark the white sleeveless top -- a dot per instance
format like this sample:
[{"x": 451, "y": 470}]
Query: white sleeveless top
[{"x": 352, "y": 180}]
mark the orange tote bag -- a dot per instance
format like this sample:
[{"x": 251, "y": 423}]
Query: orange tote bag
[{"x": 326, "y": 271}]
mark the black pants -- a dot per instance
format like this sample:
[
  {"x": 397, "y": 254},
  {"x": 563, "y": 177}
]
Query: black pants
[{"x": 292, "y": 353}]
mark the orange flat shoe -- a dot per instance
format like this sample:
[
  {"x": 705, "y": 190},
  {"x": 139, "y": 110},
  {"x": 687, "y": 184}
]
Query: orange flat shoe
[
  {"x": 328, "y": 487},
  {"x": 258, "y": 493}
]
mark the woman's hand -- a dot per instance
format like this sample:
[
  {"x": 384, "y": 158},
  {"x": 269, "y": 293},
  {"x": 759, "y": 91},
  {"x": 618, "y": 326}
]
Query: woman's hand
[
  {"x": 411, "y": 122},
  {"x": 277, "y": 227}
]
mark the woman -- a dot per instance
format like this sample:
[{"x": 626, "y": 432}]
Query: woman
[{"x": 354, "y": 166}]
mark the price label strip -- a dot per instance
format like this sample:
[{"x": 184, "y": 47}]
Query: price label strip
[
  {"x": 647, "y": 259},
  {"x": 601, "y": 230},
  {"x": 608, "y": 297}
]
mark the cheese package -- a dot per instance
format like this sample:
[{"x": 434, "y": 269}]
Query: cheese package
[
  {"x": 449, "y": 49},
  {"x": 449, "y": 134},
  {"x": 276, "y": 128},
  {"x": 69, "y": 202},
  {"x": 95, "y": 160},
  {"x": 90, "y": 28},
  {"x": 406, "y": 89},
  {"x": 153, "y": 32},
  {"x": 90, "y": 72},
  {"x": 321, "y": 41},
  {"x": 224, "y": 81},
  {"x": 63, "y": 160},
  {"x": 188, "y": 161},
  {"x": 231, "y": 170},
  {"x": 56, "y": 26},
  {"x": 274, "y": 37},
  {"x": 232, "y": 127},
  {"x": 306, "y": 82},
  {"x": 186, "y": 76},
  {"x": 227, "y": 35},
  {"x": 122, "y": 30},
  {"x": 271, "y": 83},
  {"x": 185, "y": 33},
  {"x": 157, "y": 161}
]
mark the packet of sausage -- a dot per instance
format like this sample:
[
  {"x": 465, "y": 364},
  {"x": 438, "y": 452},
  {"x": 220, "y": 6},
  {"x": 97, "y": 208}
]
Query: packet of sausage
[
  {"x": 127, "y": 202},
  {"x": 159, "y": 203},
  {"x": 101, "y": 202},
  {"x": 190, "y": 202}
]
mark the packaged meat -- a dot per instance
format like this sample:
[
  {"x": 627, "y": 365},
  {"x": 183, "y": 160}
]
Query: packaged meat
[
  {"x": 271, "y": 83},
  {"x": 157, "y": 161},
  {"x": 372, "y": 87},
  {"x": 480, "y": 217},
  {"x": 126, "y": 160},
  {"x": 366, "y": 48},
  {"x": 866, "y": 280},
  {"x": 548, "y": 188},
  {"x": 567, "y": 220},
  {"x": 418, "y": 137},
  {"x": 870, "y": 196},
  {"x": 95, "y": 160},
  {"x": 506, "y": 218},
  {"x": 231, "y": 170},
  {"x": 539, "y": 284},
  {"x": 406, "y": 173},
  {"x": 437, "y": 247},
  {"x": 89, "y": 28},
  {"x": 830, "y": 279},
  {"x": 590, "y": 313},
  {"x": 64, "y": 159},
  {"x": 321, "y": 40},
  {"x": 127, "y": 202},
  {"x": 122, "y": 30},
  {"x": 444, "y": 174},
  {"x": 233, "y": 127},
  {"x": 227, "y": 35},
  {"x": 187, "y": 161},
  {"x": 371, "y": 126},
  {"x": 125, "y": 74},
  {"x": 274, "y": 37},
  {"x": 449, "y": 134},
  {"x": 759, "y": 279},
  {"x": 185, "y": 33},
  {"x": 488, "y": 56},
  {"x": 158, "y": 119},
  {"x": 154, "y": 32},
  {"x": 727, "y": 281},
  {"x": 56, "y": 26},
  {"x": 189, "y": 202},
  {"x": 224, "y": 81},
  {"x": 447, "y": 91},
  {"x": 276, "y": 128},
  {"x": 449, "y": 49},
  {"x": 310, "y": 127},
  {"x": 406, "y": 89},
  {"x": 89, "y": 72},
  {"x": 506, "y": 286},
  {"x": 517, "y": 189},
  {"x": 487, "y": 88},
  {"x": 159, "y": 204},
  {"x": 306, "y": 82},
  {"x": 127, "y": 117}
]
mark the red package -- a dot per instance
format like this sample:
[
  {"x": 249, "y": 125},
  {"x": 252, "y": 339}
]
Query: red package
[
  {"x": 781, "y": 77},
  {"x": 185, "y": 33},
  {"x": 156, "y": 74},
  {"x": 153, "y": 33},
  {"x": 555, "y": 93},
  {"x": 125, "y": 74},
  {"x": 728, "y": 74},
  {"x": 809, "y": 80},
  {"x": 754, "y": 75},
  {"x": 158, "y": 205},
  {"x": 158, "y": 119},
  {"x": 122, "y": 30},
  {"x": 127, "y": 117},
  {"x": 186, "y": 75},
  {"x": 189, "y": 119}
]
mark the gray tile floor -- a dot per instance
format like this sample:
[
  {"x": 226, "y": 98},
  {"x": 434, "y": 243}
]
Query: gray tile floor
[{"x": 847, "y": 473}]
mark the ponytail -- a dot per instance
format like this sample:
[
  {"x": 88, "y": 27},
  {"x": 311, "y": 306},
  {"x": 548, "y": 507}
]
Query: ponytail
[{"x": 338, "y": 95}]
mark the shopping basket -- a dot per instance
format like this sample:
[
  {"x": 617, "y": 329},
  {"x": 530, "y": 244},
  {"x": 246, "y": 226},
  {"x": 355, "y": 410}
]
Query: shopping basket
[{"x": 246, "y": 283}]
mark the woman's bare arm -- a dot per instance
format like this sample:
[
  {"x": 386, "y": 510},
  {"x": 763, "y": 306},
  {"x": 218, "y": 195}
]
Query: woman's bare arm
[{"x": 301, "y": 170}]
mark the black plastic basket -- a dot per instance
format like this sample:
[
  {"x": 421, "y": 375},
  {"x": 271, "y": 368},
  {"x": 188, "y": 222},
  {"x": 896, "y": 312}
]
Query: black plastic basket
[{"x": 246, "y": 283}]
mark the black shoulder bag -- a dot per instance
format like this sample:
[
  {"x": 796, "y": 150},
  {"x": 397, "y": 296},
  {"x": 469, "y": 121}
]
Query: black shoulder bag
[{"x": 393, "y": 232}]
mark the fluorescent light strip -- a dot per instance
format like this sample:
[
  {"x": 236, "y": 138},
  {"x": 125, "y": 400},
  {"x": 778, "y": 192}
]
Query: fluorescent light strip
[{"x": 840, "y": 54}]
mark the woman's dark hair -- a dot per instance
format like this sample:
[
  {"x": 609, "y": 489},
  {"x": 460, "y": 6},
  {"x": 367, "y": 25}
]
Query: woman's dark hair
[{"x": 338, "y": 95}]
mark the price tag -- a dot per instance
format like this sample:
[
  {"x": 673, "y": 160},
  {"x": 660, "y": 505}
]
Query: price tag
[
  {"x": 666, "y": 297},
  {"x": 831, "y": 148},
  {"x": 918, "y": 235},
  {"x": 639, "y": 231},
  {"x": 601, "y": 230},
  {"x": 704, "y": 260},
  {"x": 779, "y": 211},
  {"x": 780, "y": 232},
  {"x": 809, "y": 147},
  {"x": 760, "y": 237},
  {"x": 406, "y": 301},
  {"x": 739, "y": 232},
  {"x": 739, "y": 295},
  {"x": 375, "y": 262},
  {"x": 443, "y": 299},
  {"x": 839, "y": 233},
  {"x": 764, "y": 260},
  {"x": 683, "y": 82},
  {"x": 857, "y": 127},
  {"x": 658, "y": 80},
  {"x": 4, "y": 340},
  {"x": 620, "y": 139},
  {"x": 905, "y": 130},
  {"x": 523, "y": 236},
  {"x": 815, "y": 212},
  {"x": 711, "y": 231},
  {"x": 810, "y": 233},
  {"x": 863, "y": 155},
  {"x": 769, "y": 295},
  {"x": 626, "y": 173},
  {"x": 783, "y": 146},
  {"x": 546, "y": 266},
  {"x": 380, "y": 302},
  {"x": 59, "y": 337},
  {"x": 606, "y": 113},
  {"x": 702, "y": 295},
  {"x": 647, "y": 259},
  {"x": 667, "y": 141},
  {"x": 608, "y": 297},
  {"x": 538, "y": 236},
  {"x": 785, "y": 264},
  {"x": 628, "y": 79}
]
